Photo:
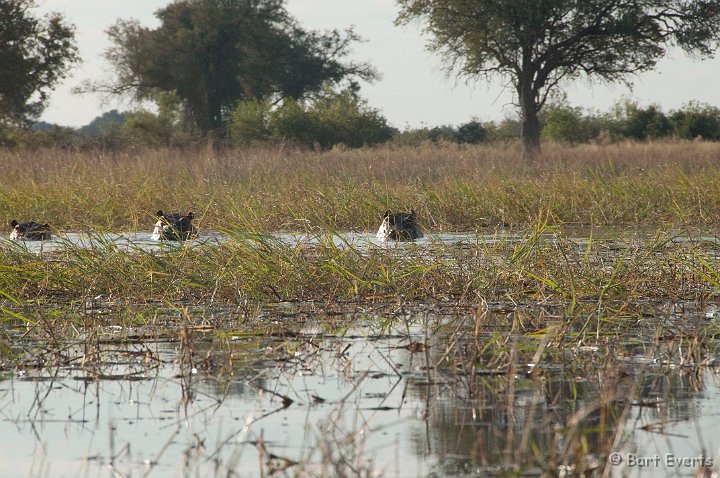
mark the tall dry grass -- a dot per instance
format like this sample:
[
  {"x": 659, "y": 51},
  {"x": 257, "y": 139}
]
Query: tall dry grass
[{"x": 451, "y": 187}]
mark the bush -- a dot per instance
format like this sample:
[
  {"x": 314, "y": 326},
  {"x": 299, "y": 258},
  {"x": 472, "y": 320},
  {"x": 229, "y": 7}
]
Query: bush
[
  {"x": 167, "y": 127},
  {"x": 471, "y": 132},
  {"x": 507, "y": 131},
  {"x": 570, "y": 125},
  {"x": 292, "y": 123},
  {"x": 635, "y": 122},
  {"x": 250, "y": 123},
  {"x": 696, "y": 120},
  {"x": 344, "y": 118},
  {"x": 143, "y": 128},
  {"x": 336, "y": 118},
  {"x": 47, "y": 136}
]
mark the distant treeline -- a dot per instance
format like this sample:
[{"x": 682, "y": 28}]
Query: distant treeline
[{"x": 343, "y": 119}]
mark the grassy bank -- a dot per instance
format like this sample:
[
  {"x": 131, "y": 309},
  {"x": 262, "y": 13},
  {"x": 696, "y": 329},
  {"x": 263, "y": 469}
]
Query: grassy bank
[{"x": 451, "y": 188}]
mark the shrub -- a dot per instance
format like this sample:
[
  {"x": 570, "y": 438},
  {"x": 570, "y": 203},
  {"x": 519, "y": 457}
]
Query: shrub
[
  {"x": 46, "y": 136},
  {"x": 292, "y": 123},
  {"x": 697, "y": 120},
  {"x": 250, "y": 123},
  {"x": 635, "y": 122},
  {"x": 566, "y": 124},
  {"x": 167, "y": 127},
  {"x": 344, "y": 118},
  {"x": 144, "y": 128},
  {"x": 507, "y": 131},
  {"x": 335, "y": 118},
  {"x": 471, "y": 132}
]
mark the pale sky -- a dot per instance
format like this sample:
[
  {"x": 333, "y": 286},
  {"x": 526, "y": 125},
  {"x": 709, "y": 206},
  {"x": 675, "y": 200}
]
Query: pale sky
[{"x": 413, "y": 91}]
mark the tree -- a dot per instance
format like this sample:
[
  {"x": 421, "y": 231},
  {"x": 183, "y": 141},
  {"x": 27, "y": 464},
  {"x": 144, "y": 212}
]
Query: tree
[
  {"x": 215, "y": 53},
  {"x": 539, "y": 44},
  {"x": 35, "y": 54}
]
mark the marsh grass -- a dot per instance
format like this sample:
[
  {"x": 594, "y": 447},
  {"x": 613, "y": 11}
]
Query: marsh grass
[
  {"x": 595, "y": 284},
  {"x": 452, "y": 188}
]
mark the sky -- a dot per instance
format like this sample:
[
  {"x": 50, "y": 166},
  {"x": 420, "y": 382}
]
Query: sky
[{"x": 413, "y": 91}]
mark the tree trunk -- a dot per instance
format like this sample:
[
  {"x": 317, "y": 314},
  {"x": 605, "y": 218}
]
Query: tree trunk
[
  {"x": 530, "y": 124},
  {"x": 529, "y": 127}
]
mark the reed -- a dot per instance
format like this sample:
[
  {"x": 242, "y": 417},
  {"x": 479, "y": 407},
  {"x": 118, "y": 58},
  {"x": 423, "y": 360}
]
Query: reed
[
  {"x": 453, "y": 188},
  {"x": 593, "y": 285}
]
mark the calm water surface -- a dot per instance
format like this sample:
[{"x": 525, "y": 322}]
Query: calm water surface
[
  {"x": 370, "y": 401},
  {"x": 579, "y": 234}
]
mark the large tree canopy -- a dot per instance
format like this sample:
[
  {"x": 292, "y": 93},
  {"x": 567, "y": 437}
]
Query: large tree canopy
[
  {"x": 214, "y": 53},
  {"x": 35, "y": 53},
  {"x": 538, "y": 44}
]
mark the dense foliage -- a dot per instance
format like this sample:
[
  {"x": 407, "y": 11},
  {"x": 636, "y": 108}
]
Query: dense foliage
[
  {"x": 35, "y": 54},
  {"x": 336, "y": 119},
  {"x": 345, "y": 119}
]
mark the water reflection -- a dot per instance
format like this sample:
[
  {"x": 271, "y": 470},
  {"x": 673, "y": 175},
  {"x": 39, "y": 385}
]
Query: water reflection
[{"x": 412, "y": 401}]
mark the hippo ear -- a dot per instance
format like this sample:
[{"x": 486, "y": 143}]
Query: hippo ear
[
  {"x": 190, "y": 215},
  {"x": 13, "y": 223},
  {"x": 412, "y": 211},
  {"x": 159, "y": 213}
]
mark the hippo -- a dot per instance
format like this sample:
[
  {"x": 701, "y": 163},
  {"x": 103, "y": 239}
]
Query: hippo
[
  {"x": 174, "y": 227},
  {"x": 30, "y": 231},
  {"x": 399, "y": 226}
]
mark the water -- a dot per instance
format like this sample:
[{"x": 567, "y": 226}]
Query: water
[
  {"x": 361, "y": 240},
  {"x": 365, "y": 401},
  {"x": 58, "y": 424}
]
